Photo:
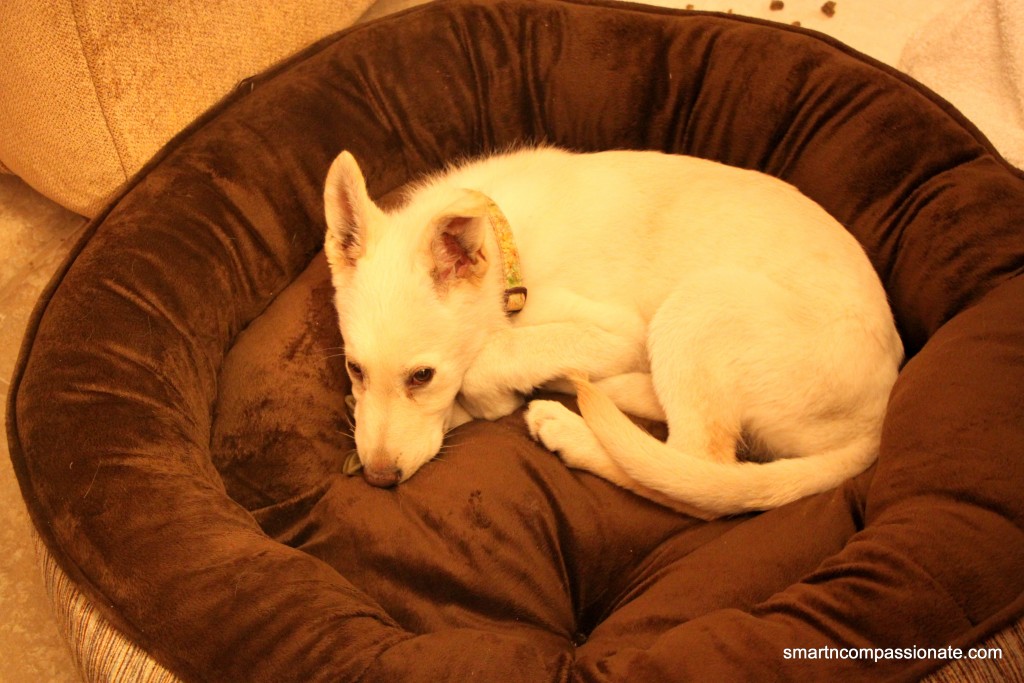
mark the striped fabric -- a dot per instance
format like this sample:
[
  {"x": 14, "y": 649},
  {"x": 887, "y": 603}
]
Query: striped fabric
[
  {"x": 103, "y": 655},
  {"x": 1009, "y": 641}
]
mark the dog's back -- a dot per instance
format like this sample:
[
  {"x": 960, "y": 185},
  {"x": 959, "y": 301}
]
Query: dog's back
[{"x": 593, "y": 223}]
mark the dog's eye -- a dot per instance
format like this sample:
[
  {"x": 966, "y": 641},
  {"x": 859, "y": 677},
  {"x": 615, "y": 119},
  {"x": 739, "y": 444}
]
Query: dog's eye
[
  {"x": 421, "y": 376},
  {"x": 355, "y": 370}
]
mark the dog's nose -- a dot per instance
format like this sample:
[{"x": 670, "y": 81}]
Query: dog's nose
[{"x": 383, "y": 477}]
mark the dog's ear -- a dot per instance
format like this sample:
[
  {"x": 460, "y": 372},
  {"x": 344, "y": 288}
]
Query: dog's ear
[
  {"x": 457, "y": 241},
  {"x": 349, "y": 210}
]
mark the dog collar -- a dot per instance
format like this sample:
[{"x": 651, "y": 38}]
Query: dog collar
[{"x": 515, "y": 291}]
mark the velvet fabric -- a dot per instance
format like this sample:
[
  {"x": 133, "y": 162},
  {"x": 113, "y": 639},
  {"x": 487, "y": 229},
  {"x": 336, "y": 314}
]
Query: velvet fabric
[{"x": 177, "y": 421}]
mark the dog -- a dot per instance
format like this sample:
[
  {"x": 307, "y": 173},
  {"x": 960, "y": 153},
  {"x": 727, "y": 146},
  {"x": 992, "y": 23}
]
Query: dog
[{"x": 719, "y": 300}]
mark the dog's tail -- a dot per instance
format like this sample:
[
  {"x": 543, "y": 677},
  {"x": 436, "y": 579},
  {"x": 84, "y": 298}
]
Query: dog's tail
[{"x": 719, "y": 489}]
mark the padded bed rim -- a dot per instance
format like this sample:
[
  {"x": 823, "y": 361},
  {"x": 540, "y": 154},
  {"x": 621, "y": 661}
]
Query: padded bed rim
[{"x": 243, "y": 89}]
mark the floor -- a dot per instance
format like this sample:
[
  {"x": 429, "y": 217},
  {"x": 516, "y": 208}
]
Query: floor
[{"x": 36, "y": 234}]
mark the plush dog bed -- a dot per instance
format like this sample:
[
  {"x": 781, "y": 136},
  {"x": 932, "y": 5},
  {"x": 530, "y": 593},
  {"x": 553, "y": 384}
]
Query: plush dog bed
[{"x": 177, "y": 420}]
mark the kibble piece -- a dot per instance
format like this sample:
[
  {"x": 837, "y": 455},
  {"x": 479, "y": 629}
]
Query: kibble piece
[
  {"x": 776, "y": 5},
  {"x": 829, "y": 8}
]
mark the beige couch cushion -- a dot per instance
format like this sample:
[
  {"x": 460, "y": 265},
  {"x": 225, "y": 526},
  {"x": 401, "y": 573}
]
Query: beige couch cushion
[{"x": 93, "y": 88}]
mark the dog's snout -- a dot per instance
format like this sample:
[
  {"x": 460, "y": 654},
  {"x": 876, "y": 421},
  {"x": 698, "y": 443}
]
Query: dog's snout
[{"x": 383, "y": 477}]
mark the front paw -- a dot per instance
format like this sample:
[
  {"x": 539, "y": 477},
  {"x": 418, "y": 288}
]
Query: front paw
[
  {"x": 557, "y": 427},
  {"x": 568, "y": 435}
]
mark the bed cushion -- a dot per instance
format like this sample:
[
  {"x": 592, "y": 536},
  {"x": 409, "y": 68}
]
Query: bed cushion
[
  {"x": 177, "y": 421},
  {"x": 93, "y": 88}
]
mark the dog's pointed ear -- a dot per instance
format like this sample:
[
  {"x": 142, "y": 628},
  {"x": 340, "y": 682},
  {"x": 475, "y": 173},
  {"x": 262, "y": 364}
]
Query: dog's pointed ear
[
  {"x": 349, "y": 210},
  {"x": 457, "y": 241}
]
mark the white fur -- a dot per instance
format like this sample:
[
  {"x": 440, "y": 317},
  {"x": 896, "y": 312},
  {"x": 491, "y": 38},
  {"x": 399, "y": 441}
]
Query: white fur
[{"x": 719, "y": 299}]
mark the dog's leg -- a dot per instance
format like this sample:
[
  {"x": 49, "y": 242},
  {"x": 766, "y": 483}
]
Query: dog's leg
[
  {"x": 726, "y": 346},
  {"x": 518, "y": 359},
  {"x": 565, "y": 432},
  {"x": 632, "y": 392},
  {"x": 693, "y": 349}
]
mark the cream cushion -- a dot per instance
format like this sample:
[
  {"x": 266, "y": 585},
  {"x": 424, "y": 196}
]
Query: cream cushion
[{"x": 91, "y": 89}]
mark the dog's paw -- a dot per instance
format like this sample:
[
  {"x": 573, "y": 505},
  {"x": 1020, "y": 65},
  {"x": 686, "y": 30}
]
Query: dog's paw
[
  {"x": 566, "y": 433},
  {"x": 560, "y": 430}
]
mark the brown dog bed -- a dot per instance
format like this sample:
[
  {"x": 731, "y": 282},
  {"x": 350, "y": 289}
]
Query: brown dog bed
[{"x": 177, "y": 421}]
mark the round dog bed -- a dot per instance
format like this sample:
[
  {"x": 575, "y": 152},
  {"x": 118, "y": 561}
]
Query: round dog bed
[{"x": 177, "y": 420}]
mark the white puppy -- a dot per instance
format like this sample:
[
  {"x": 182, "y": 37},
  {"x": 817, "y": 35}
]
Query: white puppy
[{"x": 718, "y": 299}]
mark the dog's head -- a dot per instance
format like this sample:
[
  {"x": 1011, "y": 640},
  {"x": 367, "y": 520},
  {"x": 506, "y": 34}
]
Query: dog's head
[{"x": 410, "y": 292}]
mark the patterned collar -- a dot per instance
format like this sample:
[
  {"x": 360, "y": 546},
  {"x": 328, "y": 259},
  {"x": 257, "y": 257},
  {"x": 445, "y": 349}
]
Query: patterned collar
[{"x": 515, "y": 291}]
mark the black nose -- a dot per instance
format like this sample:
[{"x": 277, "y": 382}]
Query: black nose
[{"x": 383, "y": 477}]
